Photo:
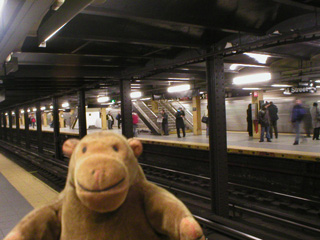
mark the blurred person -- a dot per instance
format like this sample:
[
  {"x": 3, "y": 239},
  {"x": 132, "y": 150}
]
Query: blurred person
[
  {"x": 249, "y": 121},
  {"x": 119, "y": 119},
  {"x": 135, "y": 120},
  {"x": 165, "y": 122},
  {"x": 179, "y": 122},
  {"x": 110, "y": 120},
  {"x": 273, "y": 114},
  {"x": 315, "y": 115},
  {"x": 297, "y": 115},
  {"x": 307, "y": 121},
  {"x": 264, "y": 120}
]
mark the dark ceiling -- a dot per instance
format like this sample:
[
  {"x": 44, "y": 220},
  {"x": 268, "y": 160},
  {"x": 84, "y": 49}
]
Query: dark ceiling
[{"x": 150, "y": 41}]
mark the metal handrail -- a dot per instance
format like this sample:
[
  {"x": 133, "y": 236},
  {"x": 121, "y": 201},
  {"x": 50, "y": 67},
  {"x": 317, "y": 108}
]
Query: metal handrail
[{"x": 148, "y": 109}]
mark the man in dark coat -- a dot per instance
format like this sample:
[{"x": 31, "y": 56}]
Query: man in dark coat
[
  {"x": 273, "y": 114},
  {"x": 165, "y": 122},
  {"x": 264, "y": 121},
  {"x": 179, "y": 122},
  {"x": 298, "y": 113}
]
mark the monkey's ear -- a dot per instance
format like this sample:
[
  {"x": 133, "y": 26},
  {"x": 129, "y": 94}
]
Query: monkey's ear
[
  {"x": 69, "y": 146},
  {"x": 136, "y": 146}
]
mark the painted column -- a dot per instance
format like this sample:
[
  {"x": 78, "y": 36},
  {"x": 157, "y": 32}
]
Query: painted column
[
  {"x": 45, "y": 120},
  {"x": 103, "y": 118},
  {"x": 61, "y": 119},
  {"x": 196, "y": 110},
  {"x": 155, "y": 106},
  {"x": 126, "y": 108},
  {"x": 82, "y": 113},
  {"x": 257, "y": 97}
]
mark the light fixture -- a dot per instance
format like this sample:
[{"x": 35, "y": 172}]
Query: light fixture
[
  {"x": 66, "y": 104},
  {"x": 179, "y": 88},
  {"x": 28, "y": 110},
  {"x": 103, "y": 99},
  {"x": 43, "y": 108},
  {"x": 179, "y": 78},
  {"x": 6, "y": 114},
  {"x": 51, "y": 107},
  {"x": 254, "y": 78},
  {"x": 201, "y": 92},
  {"x": 251, "y": 88},
  {"x": 133, "y": 87},
  {"x": 236, "y": 65},
  {"x": 135, "y": 94},
  {"x": 281, "y": 85},
  {"x": 34, "y": 109},
  {"x": 22, "y": 111},
  {"x": 145, "y": 99},
  {"x": 317, "y": 81},
  {"x": 1, "y": 5},
  {"x": 52, "y": 34},
  {"x": 260, "y": 58},
  {"x": 13, "y": 113},
  {"x": 287, "y": 93}
]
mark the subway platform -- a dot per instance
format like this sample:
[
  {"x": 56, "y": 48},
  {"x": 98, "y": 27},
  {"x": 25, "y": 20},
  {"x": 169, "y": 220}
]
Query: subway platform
[{"x": 20, "y": 192}]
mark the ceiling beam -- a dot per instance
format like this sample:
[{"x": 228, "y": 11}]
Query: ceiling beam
[
  {"x": 178, "y": 19},
  {"x": 61, "y": 17},
  {"x": 304, "y": 6}
]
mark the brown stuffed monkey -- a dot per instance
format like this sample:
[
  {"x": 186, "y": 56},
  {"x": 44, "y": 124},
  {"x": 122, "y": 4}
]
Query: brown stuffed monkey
[{"x": 107, "y": 197}]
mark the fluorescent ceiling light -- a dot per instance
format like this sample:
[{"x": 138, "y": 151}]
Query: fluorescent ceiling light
[
  {"x": 34, "y": 109},
  {"x": 28, "y": 110},
  {"x": 235, "y": 66},
  {"x": 260, "y": 58},
  {"x": 145, "y": 99},
  {"x": 317, "y": 81},
  {"x": 22, "y": 111},
  {"x": 179, "y": 78},
  {"x": 135, "y": 94},
  {"x": 280, "y": 85},
  {"x": 13, "y": 113},
  {"x": 6, "y": 114},
  {"x": 251, "y": 88},
  {"x": 65, "y": 105},
  {"x": 51, "y": 107},
  {"x": 317, "y": 86},
  {"x": 103, "y": 99},
  {"x": 135, "y": 87},
  {"x": 43, "y": 108},
  {"x": 287, "y": 93},
  {"x": 201, "y": 92},
  {"x": 179, "y": 88},
  {"x": 47, "y": 39},
  {"x": 254, "y": 78}
]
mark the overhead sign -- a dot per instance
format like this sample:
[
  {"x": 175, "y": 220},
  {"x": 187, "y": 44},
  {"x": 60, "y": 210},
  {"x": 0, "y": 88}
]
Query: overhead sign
[{"x": 301, "y": 90}]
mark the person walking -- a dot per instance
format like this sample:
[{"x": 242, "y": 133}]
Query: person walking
[
  {"x": 249, "y": 121},
  {"x": 165, "y": 122},
  {"x": 264, "y": 121},
  {"x": 135, "y": 120},
  {"x": 110, "y": 120},
  {"x": 179, "y": 122},
  {"x": 119, "y": 119},
  {"x": 315, "y": 115},
  {"x": 298, "y": 112},
  {"x": 273, "y": 114}
]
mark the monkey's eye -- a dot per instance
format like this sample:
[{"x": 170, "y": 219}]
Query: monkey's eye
[
  {"x": 84, "y": 149},
  {"x": 115, "y": 148}
]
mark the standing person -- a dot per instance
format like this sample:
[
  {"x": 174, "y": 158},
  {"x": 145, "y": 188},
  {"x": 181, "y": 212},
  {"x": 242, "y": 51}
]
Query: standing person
[
  {"x": 315, "y": 120},
  {"x": 264, "y": 121},
  {"x": 118, "y": 117},
  {"x": 165, "y": 122},
  {"x": 298, "y": 112},
  {"x": 33, "y": 121},
  {"x": 110, "y": 120},
  {"x": 273, "y": 114},
  {"x": 135, "y": 120},
  {"x": 307, "y": 121},
  {"x": 249, "y": 121},
  {"x": 179, "y": 122}
]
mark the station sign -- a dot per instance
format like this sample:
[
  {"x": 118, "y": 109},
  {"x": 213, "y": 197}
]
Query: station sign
[{"x": 301, "y": 90}]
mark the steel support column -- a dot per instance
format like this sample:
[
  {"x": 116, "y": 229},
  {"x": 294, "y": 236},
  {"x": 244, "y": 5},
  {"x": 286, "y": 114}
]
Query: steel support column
[
  {"x": 56, "y": 127},
  {"x": 26, "y": 127},
  {"x": 126, "y": 108},
  {"x": 217, "y": 136},
  {"x": 18, "y": 138},
  {"x": 1, "y": 128},
  {"x": 39, "y": 128},
  {"x": 5, "y": 127},
  {"x": 82, "y": 113},
  {"x": 10, "y": 126}
]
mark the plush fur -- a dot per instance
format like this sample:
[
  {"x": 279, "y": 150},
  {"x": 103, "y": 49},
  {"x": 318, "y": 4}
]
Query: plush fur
[{"x": 107, "y": 197}]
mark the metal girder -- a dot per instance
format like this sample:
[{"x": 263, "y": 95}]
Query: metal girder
[
  {"x": 178, "y": 19},
  {"x": 298, "y": 5},
  {"x": 29, "y": 14},
  {"x": 56, "y": 128},
  {"x": 217, "y": 136},
  {"x": 61, "y": 17},
  {"x": 26, "y": 127},
  {"x": 126, "y": 108},
  {"x": 82, "y": 114},
  {"x": 10, "y": 126},
  {"x": 18, "y": 137},
  {"x": 4, "y": 130},
  {"x": 39, "y": 127}
]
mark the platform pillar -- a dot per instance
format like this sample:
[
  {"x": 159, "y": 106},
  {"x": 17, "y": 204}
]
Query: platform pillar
[
  {"x": 39, "y": 127},
  {"x": 256, "y": 98},
  {"x": 103, "y": 118},
  {"x": 17, "y": 113},
  {"x": 155, "y": 107},
  {"x": 26, "y": 127},
  {"x": 126, "y": 108},
  {"x": 10, "y": 126},
  {"x": 45, "y": 120},
  {"x": 1, "y": 127},
  {"x": 82, "y": 113},
  {"x": 61, "y": 119},
  {"x": 56, "y": 128},
  {"x": 217, "y": 136},
  {"x": 196, "y": 108}
]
